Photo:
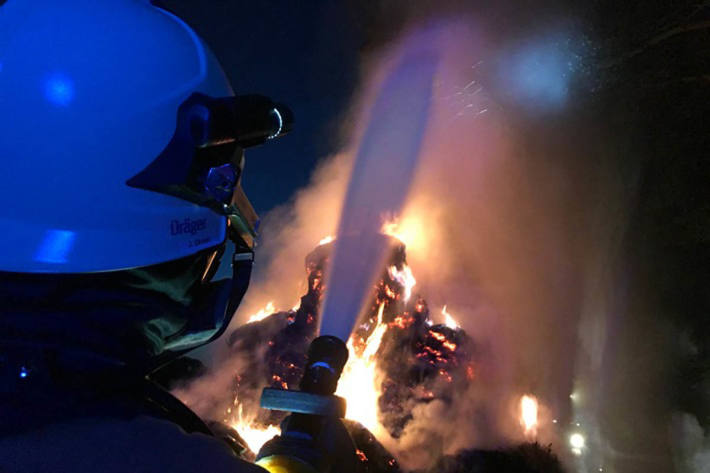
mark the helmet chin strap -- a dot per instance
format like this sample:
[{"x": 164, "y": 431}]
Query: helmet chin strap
[
  {"x": 242, "y": 263},
  {"x": 213, "y": 311}
]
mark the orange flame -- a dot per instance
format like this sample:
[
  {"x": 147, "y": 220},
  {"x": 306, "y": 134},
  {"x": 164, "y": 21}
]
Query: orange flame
[
  {"x": 358, "y": 383},
  {"x": 326, "y": 240},
  {"x": 405, "y": 278},
  {"x": 529, "y": 415},
  {"x": 449, "y": 321},
  {"x": 409, "y": 230},
  {"x": 255, "y": 435},
  {"x": 263, "y": 313}
]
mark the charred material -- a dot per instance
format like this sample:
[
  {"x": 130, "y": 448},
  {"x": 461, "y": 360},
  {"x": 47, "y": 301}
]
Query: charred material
[
  {"x": 419, "y": 361},
  {"x": 373, "y": 455},
  {"x": 524, "y": 458}
]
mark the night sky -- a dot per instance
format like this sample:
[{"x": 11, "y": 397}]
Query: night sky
[{"x": 301, "y": 53}]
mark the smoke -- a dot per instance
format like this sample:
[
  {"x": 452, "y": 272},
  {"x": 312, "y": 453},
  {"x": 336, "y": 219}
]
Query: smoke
[
  {"x": 505, "y": 214},
  {"x": 290, "y": 232},
  {"x": 507, "y": 222},
  {"x": 518, "y": 221},
  {"x": 210, "y": 395},
  {"x": 693, "y": 452},
  {"x": 441, "y": 428}
]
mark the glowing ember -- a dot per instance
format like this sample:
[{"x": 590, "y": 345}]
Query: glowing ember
[
  {"x": 449, "y": 321},
  {"x": 469, "y": 372},
  {"x": 528, "y": 415},
  {"x": 358, "y": 383},
  {"x": 401, "y": 322},
  {"x": 263, "y": 313},
  {"x": 361, "y": 455},
  {"x": 326, "y": 240},
  {"x": 405, "y": 278},
  {"x": 439, "y": 336}
]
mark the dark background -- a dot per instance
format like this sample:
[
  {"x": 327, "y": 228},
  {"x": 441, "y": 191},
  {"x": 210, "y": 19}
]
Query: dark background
[{"x": 304, "y": 53}]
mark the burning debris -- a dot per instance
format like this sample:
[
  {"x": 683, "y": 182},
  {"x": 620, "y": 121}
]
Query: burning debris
[
  {"x": 400, "y": 363},
  {"x": 399, "y": 358}
]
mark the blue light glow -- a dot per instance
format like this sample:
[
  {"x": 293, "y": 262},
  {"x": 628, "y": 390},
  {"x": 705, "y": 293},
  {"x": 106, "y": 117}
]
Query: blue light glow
[
  {"x": 281, "y": 124},
  {"x": 55, "y": 246},
  {"x": 59, "y": 90},
  {"x": 539, "y": 73},
  {"x": 23, "y": 372}
]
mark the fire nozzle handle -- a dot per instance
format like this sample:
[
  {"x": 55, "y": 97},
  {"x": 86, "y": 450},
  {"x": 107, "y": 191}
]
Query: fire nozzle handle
[
  {"x": 314, "y": 433},
  {"x": 302, "y": 402}
]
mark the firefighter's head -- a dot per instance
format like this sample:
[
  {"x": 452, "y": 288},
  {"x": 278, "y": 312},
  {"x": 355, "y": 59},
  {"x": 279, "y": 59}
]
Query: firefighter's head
[{"x": 121, "y": 146}]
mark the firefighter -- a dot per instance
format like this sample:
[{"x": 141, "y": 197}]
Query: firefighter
[{"x": 125, "y": 237}]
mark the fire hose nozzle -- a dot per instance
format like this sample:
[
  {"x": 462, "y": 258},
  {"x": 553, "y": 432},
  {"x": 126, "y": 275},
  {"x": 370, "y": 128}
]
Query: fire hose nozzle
[
  {"x": 327, "y": 356},
  {"x": 313, "y": 434}
]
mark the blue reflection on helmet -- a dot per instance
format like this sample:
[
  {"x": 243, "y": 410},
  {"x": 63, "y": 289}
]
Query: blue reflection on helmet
[{"x": 59, "y": 89}]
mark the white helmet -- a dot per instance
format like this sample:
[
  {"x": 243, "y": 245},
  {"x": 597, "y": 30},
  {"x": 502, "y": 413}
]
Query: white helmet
[{"x": 120, "y": 143}]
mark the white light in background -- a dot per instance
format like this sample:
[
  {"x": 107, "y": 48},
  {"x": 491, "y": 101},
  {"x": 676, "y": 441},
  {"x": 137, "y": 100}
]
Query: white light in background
[{"x": 577, "y": 442}]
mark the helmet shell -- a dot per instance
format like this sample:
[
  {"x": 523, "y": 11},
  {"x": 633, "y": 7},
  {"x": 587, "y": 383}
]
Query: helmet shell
[{"x": 88, "y": 98}]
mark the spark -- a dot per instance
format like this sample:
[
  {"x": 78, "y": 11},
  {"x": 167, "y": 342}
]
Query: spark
[{"x": 468, "y": 85}]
